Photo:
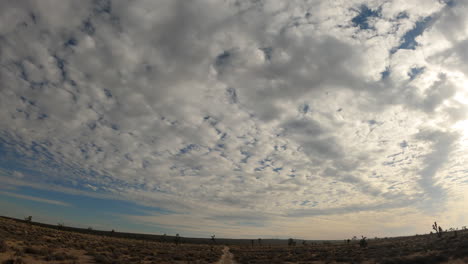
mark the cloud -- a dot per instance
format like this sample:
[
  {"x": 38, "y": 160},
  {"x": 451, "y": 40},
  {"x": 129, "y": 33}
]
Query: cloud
[
  {"x": 443, "y": 146},
  {"x": 222, "y": 110},
  {"x": 35, "y": 199}
]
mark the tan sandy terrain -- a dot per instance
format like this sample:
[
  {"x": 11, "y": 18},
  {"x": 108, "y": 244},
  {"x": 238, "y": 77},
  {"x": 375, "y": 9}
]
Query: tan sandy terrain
[
  {"x": 22, "y": 242},
  {"x": 451, "y": 247},
  {"x": 26, "y": 243}
]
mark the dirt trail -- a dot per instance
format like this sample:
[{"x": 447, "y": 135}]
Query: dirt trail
[{"x": 227, "y": 257}]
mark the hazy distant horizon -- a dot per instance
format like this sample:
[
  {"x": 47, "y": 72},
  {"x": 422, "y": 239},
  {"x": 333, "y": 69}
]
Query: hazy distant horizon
[{"x": 241, "y": 118}]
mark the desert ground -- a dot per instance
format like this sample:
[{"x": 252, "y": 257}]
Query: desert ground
[{"x": 28, "y": 242}]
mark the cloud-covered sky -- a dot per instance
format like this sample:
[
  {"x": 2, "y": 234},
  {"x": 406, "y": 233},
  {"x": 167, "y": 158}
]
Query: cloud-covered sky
[{"x": 244, "y": 118}]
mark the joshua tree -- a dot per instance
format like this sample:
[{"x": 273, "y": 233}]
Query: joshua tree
[
  {"x": 213, "y": 241},
  {"x": 363, "y": 242},
  {"x": 252, "y": 242},
  {"x": 177, "y": 239},
  {"x": 304, "y": 242},
  {"x": 291, "y": 242},
  {"x": 259, "y": 241},
  {"x": 438, "y": 229}
]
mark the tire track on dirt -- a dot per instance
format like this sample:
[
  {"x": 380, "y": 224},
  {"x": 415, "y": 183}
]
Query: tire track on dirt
[{"x": 227, "y": 257}]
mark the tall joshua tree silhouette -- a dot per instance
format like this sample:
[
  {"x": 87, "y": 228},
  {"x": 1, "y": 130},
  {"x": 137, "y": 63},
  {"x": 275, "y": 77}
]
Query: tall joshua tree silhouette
[{"x": 438, "y": 229}]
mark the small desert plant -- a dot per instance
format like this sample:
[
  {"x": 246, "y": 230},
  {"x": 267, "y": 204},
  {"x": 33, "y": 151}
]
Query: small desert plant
[
  {"x": 177, "y": 239},
  {"x": 291, "y": 242},
  {"x": 28, "y": 219}
]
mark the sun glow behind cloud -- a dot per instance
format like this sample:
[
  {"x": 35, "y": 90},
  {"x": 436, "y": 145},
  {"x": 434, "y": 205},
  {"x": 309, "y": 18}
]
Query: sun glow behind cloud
[{"x": 245, "y": 117}]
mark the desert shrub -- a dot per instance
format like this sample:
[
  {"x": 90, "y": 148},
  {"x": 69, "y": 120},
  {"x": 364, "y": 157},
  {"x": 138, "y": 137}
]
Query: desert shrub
[
  {"x": 14, "y": 261},
  {"x": 19, "y": 252},
  {"x": 38, "y": 251},
  {"x": 31, "y": 250},
  {"x": 60, "y": 256},
  {"x": 177, "y": 239},
  {"x": 99, "y": 258},
  {"x": 3, "y": 246},
  {"x": 462, "y": 250},
  {"x": 431, "y": 259}
]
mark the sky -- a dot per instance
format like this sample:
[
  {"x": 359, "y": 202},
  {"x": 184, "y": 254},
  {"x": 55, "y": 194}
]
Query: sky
[{"x": 310, "y": 119}]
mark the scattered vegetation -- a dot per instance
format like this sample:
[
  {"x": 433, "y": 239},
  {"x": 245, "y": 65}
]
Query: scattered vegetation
[
  {"x": 30, "y": 243},
  {"x": 47, "y": 245},
  {"x": 398, "y": 250}
]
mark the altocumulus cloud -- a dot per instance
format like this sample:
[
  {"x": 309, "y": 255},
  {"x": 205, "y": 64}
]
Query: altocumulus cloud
[{"x": 245, "y": 117}]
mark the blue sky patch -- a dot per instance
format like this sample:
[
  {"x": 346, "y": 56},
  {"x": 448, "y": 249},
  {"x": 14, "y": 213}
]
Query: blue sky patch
[
  {"x": 361, "y": 20},
  {"x": 409, "y": 39},
  {"x": 414, "y": 72}
]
